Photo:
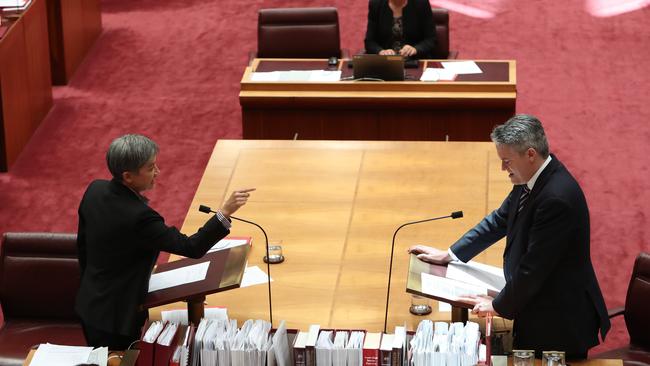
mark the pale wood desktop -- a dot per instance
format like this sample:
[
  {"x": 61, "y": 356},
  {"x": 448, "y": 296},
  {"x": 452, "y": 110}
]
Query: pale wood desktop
[
  {"x": 465, "y": 109},
  {"x": 335, "y": 205}
]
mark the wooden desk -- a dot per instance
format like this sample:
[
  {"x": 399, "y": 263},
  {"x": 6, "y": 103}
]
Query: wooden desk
[
  {"x": 73, "y": 27},
  {"x": 25, "y": 83},
  {"x": 463, "y": 110},
  {"x": 335, "y": 205}
]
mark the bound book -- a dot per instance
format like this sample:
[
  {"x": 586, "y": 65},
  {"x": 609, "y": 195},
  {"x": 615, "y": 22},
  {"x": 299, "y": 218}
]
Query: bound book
[
  {"x": 310, "y": 345},
  {"x": 299, "y": 352},
  {"x": 371, "y": 345},
  {"x": 386, "y": 349}
]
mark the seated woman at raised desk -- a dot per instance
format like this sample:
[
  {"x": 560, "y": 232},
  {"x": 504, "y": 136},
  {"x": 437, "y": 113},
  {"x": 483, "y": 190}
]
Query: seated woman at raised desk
[{"x": 400, "y": 27}]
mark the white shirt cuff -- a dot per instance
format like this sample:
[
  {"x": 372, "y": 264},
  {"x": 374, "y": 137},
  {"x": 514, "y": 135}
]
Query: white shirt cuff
[
  {"x": 452, "y": 255},
  {"x": 224, "y": 221}
]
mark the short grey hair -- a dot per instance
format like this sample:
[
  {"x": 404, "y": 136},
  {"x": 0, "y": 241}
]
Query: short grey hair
[
  {"x": 129, "y": 153},
  {"x": 522, "y": 132}
]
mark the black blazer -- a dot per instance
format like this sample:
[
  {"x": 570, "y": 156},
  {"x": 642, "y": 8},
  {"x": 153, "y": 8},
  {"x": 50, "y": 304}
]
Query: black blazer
[
  {"x": 418, "y": 28},
  {"x": 119, "y": 239},
  {"x": 551, "y": 289}
]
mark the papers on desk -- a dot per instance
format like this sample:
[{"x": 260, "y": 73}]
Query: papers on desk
[
  {"x": 437, "y": 74},
  {"x": 449, "y": 289},
  {"x": 178, "y": 276},
  {"x": 55, "y": 355},
  {"x": 228, "y": 243},
  {"x": 477, "y": 274},
  {"x": 180, "y": 316},
  {"x": 312, "y": 76},
  {"x": 219, "y": 342},
  {"x": 14, "y": 4},
  {"x": 462, "y": 67},
  {"x": 440, "y": 343},
  {"x": 254, "y": 276}
]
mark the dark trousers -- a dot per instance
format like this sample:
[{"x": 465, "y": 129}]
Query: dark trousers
[{"x": 99, "y": 338}]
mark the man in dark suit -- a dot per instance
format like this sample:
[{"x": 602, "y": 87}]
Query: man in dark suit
[
  {"x": 403, "y": 27},
  {"x": 119, "y": 239},
  {"x": 551, "y": 289}
]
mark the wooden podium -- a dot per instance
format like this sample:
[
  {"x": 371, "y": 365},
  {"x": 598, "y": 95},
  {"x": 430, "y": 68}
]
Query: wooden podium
[
  {"x": 225, "y": 272},
  {"x": 414, "y": 286}
]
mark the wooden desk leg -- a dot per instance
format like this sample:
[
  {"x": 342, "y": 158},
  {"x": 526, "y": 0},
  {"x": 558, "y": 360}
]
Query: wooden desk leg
[
  {"x": 459, "y": 314},
  {"x": 195, "y": 309}
]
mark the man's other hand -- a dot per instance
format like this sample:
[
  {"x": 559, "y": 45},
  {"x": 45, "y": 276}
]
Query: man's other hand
[
  {"x": 430, "y": 255},
  {"x": 236, "y": 200},
  {"x": 408, "y": 51},
  {"x": 387, "y": 52}
]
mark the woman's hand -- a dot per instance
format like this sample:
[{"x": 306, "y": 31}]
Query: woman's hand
[{"x": 236, "y": 200}]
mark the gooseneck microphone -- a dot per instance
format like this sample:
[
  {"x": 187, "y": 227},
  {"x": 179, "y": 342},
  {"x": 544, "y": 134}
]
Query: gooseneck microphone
[
  {"x": 453, "y": 215},
  {"x": 206, "y": 209}
]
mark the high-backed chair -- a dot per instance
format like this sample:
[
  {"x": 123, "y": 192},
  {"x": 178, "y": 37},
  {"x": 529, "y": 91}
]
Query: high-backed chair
[
  {"x": 39, "y": 278},
  {"x": 441, "y": 22},
  {"x": 298, "y": 33},
  {"x": 637, "y": 317}
]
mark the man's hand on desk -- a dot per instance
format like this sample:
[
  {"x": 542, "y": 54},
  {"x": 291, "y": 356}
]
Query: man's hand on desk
[
  {"x": 408, "y": 51},
  {"x": 430, "y": 255},
  {"x": 387, "y": 52},
  {"x": 236, "y": 200},
  {"x": 482, "y": 304}
]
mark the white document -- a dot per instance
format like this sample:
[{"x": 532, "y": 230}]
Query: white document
[
  {"x": 448, "y": 288},
  {"x": 318, "y": 76},
  {"x": 254, "y": 276},
  {"x": 266, "y": 76},
  {"x": 462, "y": 67},
  {"x": 478, "y": 274},
  {"x": 55, "y": 355},
  {"x": 99, "y": 356},
  {"x": 178, "y": 276},
  {"x": 437, "y": 74},
  {"x": 281, "y": 348},
  {"x": 13, "y": 3},
  {"x": 180, "y": 316},
  {"x": 295, "y": 75},
  {"x": 227, "y": 243}
]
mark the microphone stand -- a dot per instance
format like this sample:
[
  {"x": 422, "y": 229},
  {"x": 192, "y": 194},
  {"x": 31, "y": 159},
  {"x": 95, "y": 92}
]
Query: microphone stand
[
  {"x": 453, "y": 215},
  {"x": 206, "y": 209}
]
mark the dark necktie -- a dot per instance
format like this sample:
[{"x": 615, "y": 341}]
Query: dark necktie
[{"x": 525, "y": 192}]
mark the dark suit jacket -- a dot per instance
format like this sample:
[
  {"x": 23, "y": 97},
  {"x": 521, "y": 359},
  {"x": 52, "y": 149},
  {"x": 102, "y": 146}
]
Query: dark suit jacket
[
  {"x": 418, "y": 28},
  {"x": 119, "y": 239},
  {"x": 551, "y": 289}
]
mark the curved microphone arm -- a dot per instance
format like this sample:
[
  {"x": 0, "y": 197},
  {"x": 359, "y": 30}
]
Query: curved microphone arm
[
  {"x": 206, "y": 209},
  {"x": 453, "y": 215}
]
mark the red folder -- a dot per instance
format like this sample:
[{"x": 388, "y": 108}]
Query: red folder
[
  {"x": 163, "y": 354},
  {"x": 146, "y": 356}
]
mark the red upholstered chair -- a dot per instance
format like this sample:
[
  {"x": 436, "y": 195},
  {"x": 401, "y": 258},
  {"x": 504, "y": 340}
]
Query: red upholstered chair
[
  {"x": 637, "y": 317},
  {"x": 298, "y": 33},
  {"x": 441, "y": 22},
  {"x": 39, "y": 278}
]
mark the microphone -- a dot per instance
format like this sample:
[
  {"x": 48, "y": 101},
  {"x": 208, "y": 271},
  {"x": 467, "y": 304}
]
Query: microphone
[
  {"x": 206, "y": 209},
  {"x": 453, "y": 215}
]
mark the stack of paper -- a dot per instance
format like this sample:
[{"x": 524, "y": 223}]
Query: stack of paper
[
  {"x": 219, "y": 342},
  {"x": 444, "y": 344},
  {"x": 180, "y": 316},
  {"x": 55, "y": 355},
  {"x": 14, "y": 5},
  {"x": 312, "y": 76},
  {"x": 449, "y": 71}
]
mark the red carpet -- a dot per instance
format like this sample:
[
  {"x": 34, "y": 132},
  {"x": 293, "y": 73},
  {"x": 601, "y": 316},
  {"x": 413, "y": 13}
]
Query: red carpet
[{"x": 170, "y": 69}]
